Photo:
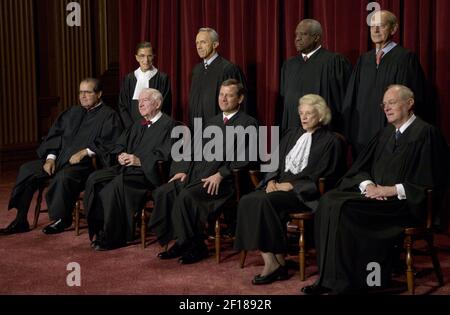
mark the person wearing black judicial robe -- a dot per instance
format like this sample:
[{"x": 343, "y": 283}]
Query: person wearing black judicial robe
[
  {"x": 114, "y": 195},
  {"x": 384, "y": 191},
  {"x": 79, "y": 133},
  {"x": 198, "y": 189},
  {"x": 146, "y": 76},
  {"x": 387, "y": 64},
  {"x": 315, "y": 70},
  {"x": 207, "y": 77},
  {"x": 305, "y": 155}
]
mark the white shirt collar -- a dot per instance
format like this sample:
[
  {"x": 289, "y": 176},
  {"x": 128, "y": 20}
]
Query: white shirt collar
[
  {"x": 407, "y": 124},
  {"x": 387, "y": 48},
  {"x": 230, "y": 115},
  {"x": 210, "y": 60},
  {"x": 95, "y": 106},
  {"x": 156, "y": 118},
  {"x": 311, "y": 53}
]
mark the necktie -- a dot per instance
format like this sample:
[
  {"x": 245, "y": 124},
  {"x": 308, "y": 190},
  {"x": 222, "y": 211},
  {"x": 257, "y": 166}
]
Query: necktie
[
  {"x": 206, "y": 65},
  {"x": 225, "y": 120},
  {"x": 145, "y": 122},
  {"x": 398, "y": 134},
  {"x": 379, "y": 55},
  {"x": 305, "y": 57}
]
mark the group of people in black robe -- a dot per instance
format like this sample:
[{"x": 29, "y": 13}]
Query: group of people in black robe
[{"x": 358, "y": 222}]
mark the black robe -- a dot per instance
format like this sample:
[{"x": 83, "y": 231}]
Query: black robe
[
  {"x": 325, "y": 73},
  {"x": 363, "y": 115},
  {"x": 205, "y": 88},
  {"x": 75, "y": 129},
  {"x": 129, "y": 108},
  {"x": 181, "y": 210},
  {"x": 262, "y": 217},
  {"x": 351, "y": 230},
  {"x": 114, "y": 195}
]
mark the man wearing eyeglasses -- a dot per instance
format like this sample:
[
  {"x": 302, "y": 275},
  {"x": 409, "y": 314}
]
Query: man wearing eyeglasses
[
  {"x": 361, "y": 221},
  {"x": 65, "y": 157},
  {"x": 388, "y": 63},
  {"x": 146, "y": 76}
]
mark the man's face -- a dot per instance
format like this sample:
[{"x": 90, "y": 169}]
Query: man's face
[
  {"x": 88, "y": 98},
  {"x": 145, "y": 58},
  {"x": 205, "y": 46},
  {"x": 304, "y": 41},
  {"x": 397, "y": 109},
  {"x": 381, "y": 31},
  {"x": 229, "y": 100},
  {"x": 148, "y": 107}
]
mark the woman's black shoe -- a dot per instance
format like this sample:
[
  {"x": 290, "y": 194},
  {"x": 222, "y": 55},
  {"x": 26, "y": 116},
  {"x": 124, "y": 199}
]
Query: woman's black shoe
[{"x": 279, "y": 274}]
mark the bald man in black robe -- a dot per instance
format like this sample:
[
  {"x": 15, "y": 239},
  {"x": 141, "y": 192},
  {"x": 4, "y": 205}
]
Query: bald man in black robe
[
  {"x": 78, "y": 134},
  {"x": 362, "y": 220}
]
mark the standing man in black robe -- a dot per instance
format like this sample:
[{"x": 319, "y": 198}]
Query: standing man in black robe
[
  {"x": 199, "y": 188},
  {"x": 387, "y": 64},
  {"x": 78, "y": 134},
  {"x": 146, "y": 76},
  {"x": 314, "y": 71},
  {"x": 114, "y": 195},
  {"x": 362, "y": 220},
  {"x": 208, "y": 75}
]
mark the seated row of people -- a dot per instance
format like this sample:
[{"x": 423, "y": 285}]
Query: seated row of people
[{"x": 357, "y": 223}]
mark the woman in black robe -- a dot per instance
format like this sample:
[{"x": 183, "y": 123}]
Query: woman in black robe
[{"x": 306, "y": 154}]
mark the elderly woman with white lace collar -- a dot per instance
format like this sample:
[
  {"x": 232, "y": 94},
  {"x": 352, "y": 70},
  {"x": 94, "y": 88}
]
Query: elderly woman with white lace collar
[{"x": 305, "y": 155}]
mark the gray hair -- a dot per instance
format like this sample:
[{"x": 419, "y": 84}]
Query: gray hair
[
  {"x": 212, "y": 33},
  {"x": 319, "y": 104},
  {"x": 314, "y": 26},
  {"x": 404, "y": 92},
  {"x": 155, "y": 94}
]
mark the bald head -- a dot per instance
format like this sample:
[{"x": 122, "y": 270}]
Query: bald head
[
  {"x": 308, "y": 36},
  {"x": 383, "y": 27}
]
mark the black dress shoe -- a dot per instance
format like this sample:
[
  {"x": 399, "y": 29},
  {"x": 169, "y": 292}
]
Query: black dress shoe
[
  {"x": 315, "y": 289},
  {"x": 194, "y": 254},
  {"x": 278, "y": 274},
  {"x": 174, "y": 251},
  {"x": 56, "y": 227},
  {"x": 15, "y": 227}
]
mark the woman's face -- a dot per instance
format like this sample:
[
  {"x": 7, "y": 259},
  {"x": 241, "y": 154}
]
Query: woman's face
[{"x": 309, "y": 117}]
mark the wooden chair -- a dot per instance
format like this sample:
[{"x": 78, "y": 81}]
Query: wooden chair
[
  {"x": 298, "y": 219},
  {"x": 422, "y": 233},
  {"x": 77, "y": 208},
  {"x": 163, "y": 168},
  {"x": 231, "y": 205}
]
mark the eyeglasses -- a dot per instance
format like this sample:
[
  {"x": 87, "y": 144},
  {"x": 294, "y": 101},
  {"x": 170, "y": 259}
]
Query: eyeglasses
[
  {"x": 145, "y": 56},
  {"x": 86, "y": 92},
  {"x": 391, "y": 103}
]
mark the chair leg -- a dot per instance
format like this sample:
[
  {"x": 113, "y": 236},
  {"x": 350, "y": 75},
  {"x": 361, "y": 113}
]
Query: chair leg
[
  {"x": 217, "y": 241},
  {"x": 409, "y": 265},
  {"x": 301, "y": 251},
  {"x": 37, "y": 209},
  {"x": 77, "y": 217},
  {"x": 242, "y": 258},
  {"x": 435, "y": 260},
  {"x": 143, "y": 229}
]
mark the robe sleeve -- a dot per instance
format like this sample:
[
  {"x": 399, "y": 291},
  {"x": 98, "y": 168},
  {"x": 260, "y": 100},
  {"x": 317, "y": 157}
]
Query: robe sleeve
[{"x": 124, "y": 102}]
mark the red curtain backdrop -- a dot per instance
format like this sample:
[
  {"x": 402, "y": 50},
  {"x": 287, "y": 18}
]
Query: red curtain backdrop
[{"x": 258, "y": 35}]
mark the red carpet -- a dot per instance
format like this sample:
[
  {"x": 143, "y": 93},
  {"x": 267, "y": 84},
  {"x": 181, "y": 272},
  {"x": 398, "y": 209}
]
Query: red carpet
[{"x": 35, "y": 263}]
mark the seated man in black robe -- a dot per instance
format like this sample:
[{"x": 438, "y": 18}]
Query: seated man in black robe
[
  {"x": 199, "y": 188},
  {"x": 314, "y": 70},
  {"x": 208, "y": 75},
  {"x": 388, "y": 63},
  {"x": 362, "y": 220},
  {"x": 79, "y": 133},
  {"x": 305, "y": 155},
  {"x": 146, "y": 76},
  {"x": 114, "y": 195}
]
